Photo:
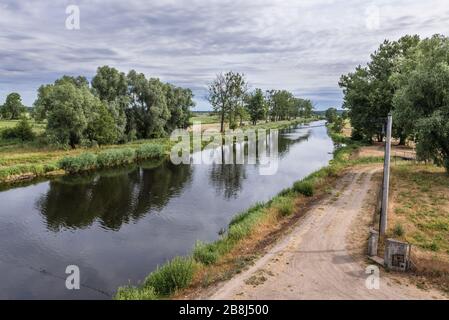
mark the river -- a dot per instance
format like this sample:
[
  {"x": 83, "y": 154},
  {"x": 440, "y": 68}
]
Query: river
[{"x": 118, "y": 225}]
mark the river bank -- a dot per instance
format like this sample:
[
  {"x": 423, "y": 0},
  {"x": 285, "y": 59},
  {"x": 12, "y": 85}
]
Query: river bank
[
  {"x": 248, "y": 234},
  {"x": 25, "y": 163},
  {"x": 250, "y": 262},
  {"x": 119, "y": 224}
]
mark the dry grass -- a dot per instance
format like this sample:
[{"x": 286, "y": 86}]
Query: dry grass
[{"x": 419, "y": 207}]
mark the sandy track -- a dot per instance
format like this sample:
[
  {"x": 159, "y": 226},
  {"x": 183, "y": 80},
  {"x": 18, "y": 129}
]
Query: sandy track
[{"x": 313, "y": 261}]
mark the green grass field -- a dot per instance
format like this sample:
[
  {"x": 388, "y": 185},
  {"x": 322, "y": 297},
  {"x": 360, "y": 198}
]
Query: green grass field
[
  {"x": 19, "y": 159},
  {"x": 38, "y": 128},
  {"x": 204, "y": 118}
]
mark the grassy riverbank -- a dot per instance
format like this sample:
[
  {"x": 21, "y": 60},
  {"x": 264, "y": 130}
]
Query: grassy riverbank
[
  {"x": 419, "y": 215},
  {"x": 247, "y": 234},
  {"x": 21, "y": 161}
]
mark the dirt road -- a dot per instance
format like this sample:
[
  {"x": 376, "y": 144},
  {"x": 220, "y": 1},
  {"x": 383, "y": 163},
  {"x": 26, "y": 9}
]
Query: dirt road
[{"x": 318, "y": 259}]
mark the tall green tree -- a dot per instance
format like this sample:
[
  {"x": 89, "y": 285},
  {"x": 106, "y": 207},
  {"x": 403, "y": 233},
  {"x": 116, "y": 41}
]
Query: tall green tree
[
  {"x": 331, "y": 115},
  {"x": 255, "y": 106},
  {"x": 13, "y": 107},
  {"x": 179, "y": 103},
  {"x": 226, "y": 94},
  {"x": 111, "y": 86},
  {"x": 368, "y": 91},
  {"x": 148, "y": 112},
  {"x": 422, "y": 98}
]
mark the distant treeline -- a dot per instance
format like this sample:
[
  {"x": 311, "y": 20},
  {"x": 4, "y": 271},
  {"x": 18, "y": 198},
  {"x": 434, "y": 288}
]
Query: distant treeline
[
  {"x": 231, "y": 100},
  {"x": 410, "y": 78}
]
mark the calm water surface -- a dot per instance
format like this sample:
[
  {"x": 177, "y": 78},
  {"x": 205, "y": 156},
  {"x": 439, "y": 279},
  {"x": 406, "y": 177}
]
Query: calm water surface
[{"x": 118, "y": 225}]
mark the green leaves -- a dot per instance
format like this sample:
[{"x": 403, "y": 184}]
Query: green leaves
[
  {"x": 422, "y": 99},
  {"x": 116, "y": 109},
  {"x": 13, "y": 107}
]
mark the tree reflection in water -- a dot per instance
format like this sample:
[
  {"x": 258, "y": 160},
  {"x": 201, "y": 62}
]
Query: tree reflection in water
[{"x": 112, "y": 197}]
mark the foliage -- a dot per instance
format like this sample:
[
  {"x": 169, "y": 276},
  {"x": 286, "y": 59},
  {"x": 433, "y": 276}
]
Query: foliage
[
  {"x": 284, "y": 205},
  {"x": 331, "y": 115},
  {"x": 20, "y": 169},
  {"x": 282, "y": 105},
  {"x": 75, "y": 164},
  {"x": 226, "y": 94},
  {"x": 205, "y": 253},
  {"x": 116, "y": 109},
  {"x": 116, "y": 157},
  {"x": 133, "y": 293},
  {"x": 398, "y": 230},
  {"x": 422, "y": 99},
  {"x": 368, "y": 91},
  {"x": 150, "y": 151},
  {"x": 22, "y": 131},
  {"x": 174, "y": 275},
  {"x": 304, "y": 187},
  {"x": 13, "y": 107},
  {"x": 256, "y": 106}
]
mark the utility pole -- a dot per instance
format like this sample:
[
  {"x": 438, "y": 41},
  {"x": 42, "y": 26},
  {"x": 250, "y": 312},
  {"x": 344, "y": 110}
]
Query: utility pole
[{"x": 386, "y": 182}]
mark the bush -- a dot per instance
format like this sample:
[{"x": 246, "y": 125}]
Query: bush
[
  {"x": 133, "y": 293},
  {"x": 174, "y": 275},
  {"x": 83, "y": 162},
  {"x": 284, "y": 205},
  {"x": 398, "y": 230},
  {"x": 150, "y": 151},
  {"x": 304, "y": 187},
  {"x": 205, "y": 253},
  {"x": 116, "y": 157},
  {"x": 22, "y": 131}
]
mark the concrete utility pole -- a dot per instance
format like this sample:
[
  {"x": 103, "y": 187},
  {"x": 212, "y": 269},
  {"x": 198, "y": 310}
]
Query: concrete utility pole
[{"x": 386, "y": 182}]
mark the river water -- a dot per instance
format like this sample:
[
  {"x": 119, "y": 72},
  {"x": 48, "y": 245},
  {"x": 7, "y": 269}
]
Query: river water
[{"x": 118, "y": 225}]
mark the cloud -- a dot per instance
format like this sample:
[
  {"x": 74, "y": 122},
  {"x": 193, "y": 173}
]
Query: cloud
[{"x": 303, "y": 46}]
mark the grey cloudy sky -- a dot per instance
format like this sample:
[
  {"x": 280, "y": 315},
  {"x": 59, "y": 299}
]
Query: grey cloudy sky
[{"x": 303, "y": 45}]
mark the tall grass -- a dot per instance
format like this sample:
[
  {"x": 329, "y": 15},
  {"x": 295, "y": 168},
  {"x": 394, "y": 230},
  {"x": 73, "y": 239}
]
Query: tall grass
[
  {"x": 110, "y": 158},
  {"x": 150, "y": 151},
  {"x": 133, "y": 293},
  {"x": 304, "y": 187},
  {"x": 174, "y": 275},
  {"x": 116, "y": 157},
  {"x": 22, "y": 169},
  {"x": 75, "y": 164}
]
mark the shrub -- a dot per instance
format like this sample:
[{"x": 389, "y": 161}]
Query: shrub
[
  {"x": 205, "y": 253},
  {"x": 284, "y": 205},
  {"x": 22, "y": 131},
  {"x": 133, "y": 293},
  {"x": 150, "y": 151},
  {"x": 304, "y": 187},
  {"x": 175, "y": 274},
  {"x": 398, "y": 230},
  {"x": 116, "y": 157},
  {"x": 75, "y": 164}
]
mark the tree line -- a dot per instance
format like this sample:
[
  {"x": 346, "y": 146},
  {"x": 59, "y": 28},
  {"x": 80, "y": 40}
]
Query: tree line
[
  {"x": 233, "y": 102},
  {"x": 410, "y": 78},
  {"x": 116, "y": 107},
  {"x": 113, "y": 108}
]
